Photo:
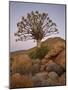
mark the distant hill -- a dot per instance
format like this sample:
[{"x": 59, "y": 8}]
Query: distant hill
[{"x": 48, "y": 42}]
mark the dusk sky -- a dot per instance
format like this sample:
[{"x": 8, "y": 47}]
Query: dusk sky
[{"x": 18, "y": 9}]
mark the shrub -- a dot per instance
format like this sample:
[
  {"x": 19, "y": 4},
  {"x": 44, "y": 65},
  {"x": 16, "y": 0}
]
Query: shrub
[{"x": 39, "y": 53}]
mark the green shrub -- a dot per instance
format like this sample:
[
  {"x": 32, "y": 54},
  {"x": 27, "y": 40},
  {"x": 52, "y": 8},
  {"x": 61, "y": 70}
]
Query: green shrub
[{"x": 39, "y": 53}]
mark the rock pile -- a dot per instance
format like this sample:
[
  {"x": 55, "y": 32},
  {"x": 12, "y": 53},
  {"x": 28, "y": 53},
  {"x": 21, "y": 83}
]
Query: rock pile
[{"x": 49, "y": 71}]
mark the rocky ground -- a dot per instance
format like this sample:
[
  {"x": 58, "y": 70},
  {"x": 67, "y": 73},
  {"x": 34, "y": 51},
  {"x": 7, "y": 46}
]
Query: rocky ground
[{"x": 49, "y": 71}]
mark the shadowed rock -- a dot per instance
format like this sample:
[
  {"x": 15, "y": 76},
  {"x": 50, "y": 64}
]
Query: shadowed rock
[
  {"x": 51, "y": 66},
  {"x": 62, "y": 79},
  {"x": 53, "y": 75},
  {"x": 35, "y": 68},
  {"x": 60, "y": 59},
  {"x": 42, "y": 68},
  {"x": 51, "y": 82},
  {"x": 40, "y": 79},
  {"x": 44, "y": 61},
  {"x": 52, "y": 79}
]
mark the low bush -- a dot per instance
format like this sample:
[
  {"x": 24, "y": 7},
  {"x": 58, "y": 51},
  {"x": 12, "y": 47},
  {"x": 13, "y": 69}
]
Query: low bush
[{"x": 39, "y": 53}]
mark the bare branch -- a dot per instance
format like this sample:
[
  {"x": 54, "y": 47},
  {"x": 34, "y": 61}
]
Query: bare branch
[{"x": 35, "y": 26}]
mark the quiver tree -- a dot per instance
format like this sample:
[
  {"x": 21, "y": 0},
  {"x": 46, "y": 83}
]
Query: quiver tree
[{"x": 35, "y": 26}]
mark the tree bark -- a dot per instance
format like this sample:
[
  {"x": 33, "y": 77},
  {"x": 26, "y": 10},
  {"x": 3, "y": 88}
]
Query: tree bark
[{"x": 38, "y": 43}]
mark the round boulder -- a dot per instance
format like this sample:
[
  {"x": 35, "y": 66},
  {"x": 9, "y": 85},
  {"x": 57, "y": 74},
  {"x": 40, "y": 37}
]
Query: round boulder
[
  {"x": 35, "y": 68},
  {"x": 22, "y": 65},
  {"x": 21, "y": 81},
  {"x": 51, "y": 66},
  {"x": 56, "y": 45},
  {"x": 16, "y": 81},
  {"x": 40, "y": 79},
  {"x": 53, "y": 75}
]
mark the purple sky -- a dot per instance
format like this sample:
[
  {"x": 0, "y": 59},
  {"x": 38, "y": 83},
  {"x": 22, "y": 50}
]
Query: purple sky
[{"x": 18, "y": 9}]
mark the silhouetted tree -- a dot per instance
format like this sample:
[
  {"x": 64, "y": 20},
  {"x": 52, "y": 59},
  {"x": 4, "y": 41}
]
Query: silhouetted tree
[{"x": 35, "y": 26}]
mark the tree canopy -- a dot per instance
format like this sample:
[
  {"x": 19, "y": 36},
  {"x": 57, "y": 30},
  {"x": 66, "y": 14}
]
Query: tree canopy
[{"x": 35, "y": 26}]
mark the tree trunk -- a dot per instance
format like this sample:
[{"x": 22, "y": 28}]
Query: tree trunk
[{"x": 38, "y": 43}]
